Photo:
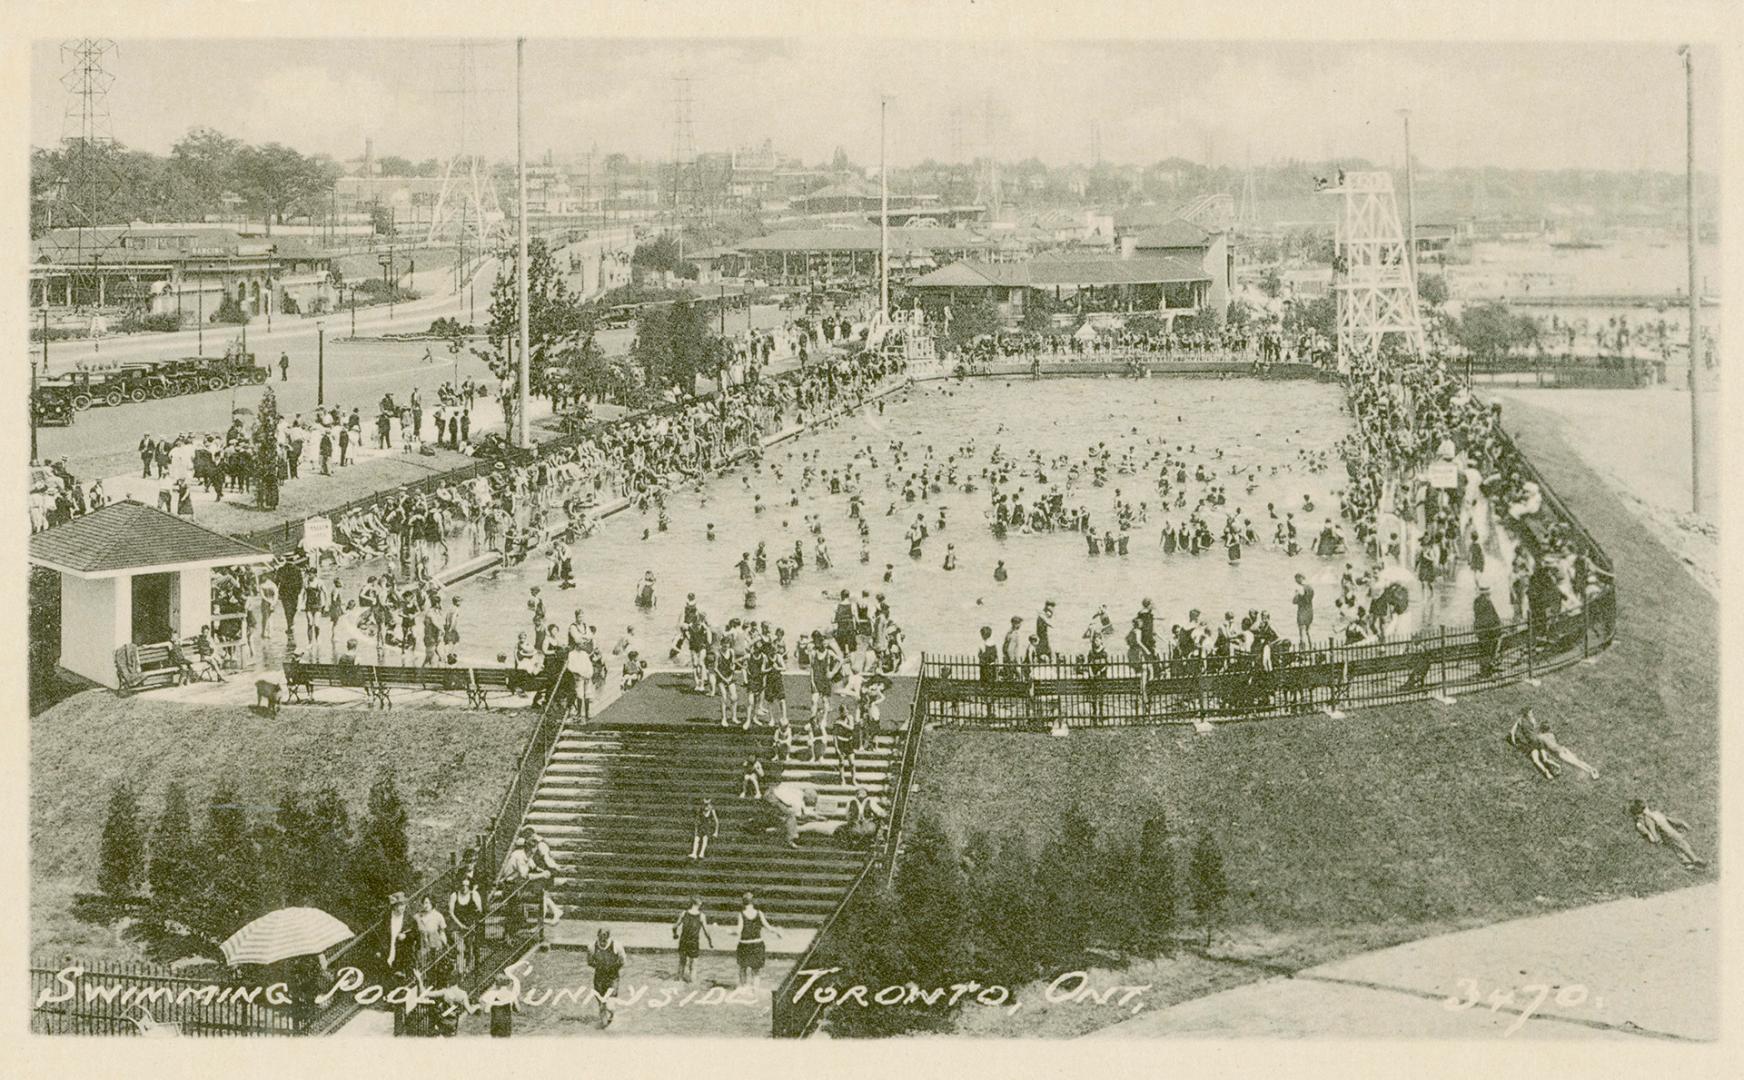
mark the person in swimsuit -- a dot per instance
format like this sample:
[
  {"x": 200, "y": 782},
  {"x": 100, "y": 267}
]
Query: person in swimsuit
[
  {"x": 691, "y": 929},
  {"x": 753, "y": 924},
  {"x": 606, "y": 957}
]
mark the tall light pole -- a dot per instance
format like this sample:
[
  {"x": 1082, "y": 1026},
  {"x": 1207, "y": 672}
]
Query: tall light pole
[
  {"x": 320, "y": 362},
  {"x": 1695, "y": 302},
  {"x": 883, "y": 213},
  {"x": 1410, "y": 204},
  {"x": 521, "y": 245}
]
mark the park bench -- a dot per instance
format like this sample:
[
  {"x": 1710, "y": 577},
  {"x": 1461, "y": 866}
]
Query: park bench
[
  {"x": 144, "y": 667},
  {"x": 379, "y": 681}
]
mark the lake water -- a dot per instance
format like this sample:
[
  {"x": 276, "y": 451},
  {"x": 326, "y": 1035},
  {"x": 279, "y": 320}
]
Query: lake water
[{"x": 1263, "y": 424}]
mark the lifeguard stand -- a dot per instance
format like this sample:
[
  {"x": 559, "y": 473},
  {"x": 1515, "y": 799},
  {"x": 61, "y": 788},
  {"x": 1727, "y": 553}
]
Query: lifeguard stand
[{"x": 1371, "y": 276}]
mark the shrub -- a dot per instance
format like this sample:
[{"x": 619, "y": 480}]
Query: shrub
[{"x": 230, "y": 312}]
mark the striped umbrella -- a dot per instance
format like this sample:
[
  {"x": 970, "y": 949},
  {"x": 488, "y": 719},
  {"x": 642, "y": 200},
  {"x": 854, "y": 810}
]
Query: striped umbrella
[{"x": 282, "y": 934}]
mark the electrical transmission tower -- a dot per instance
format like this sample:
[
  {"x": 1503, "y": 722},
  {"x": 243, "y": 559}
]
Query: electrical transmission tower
[
  {"x": 1370, "y": 276},
  {"x": 684, "y": 179},
  {"x": 467, "y": 209},
  {"x": 83, "y": 198}
]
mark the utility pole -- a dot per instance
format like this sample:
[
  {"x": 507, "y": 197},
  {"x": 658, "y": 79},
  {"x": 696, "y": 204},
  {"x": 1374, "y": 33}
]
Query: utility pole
[
  {"x": 45, "y": 328},
  {"x": 1695, "y": 300},
  {"x": 521, "y": 439},
  {"x": 200, "y": 330},
  {"x": 1410, "y": 203},
  {"x": 883, "y": 213},
  {"x": 320, "y": 362}
]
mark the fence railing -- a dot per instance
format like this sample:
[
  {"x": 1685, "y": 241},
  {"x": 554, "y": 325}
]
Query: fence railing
[
  {"x": 962, "y": 692},
  {"x": 77, "y": 997},
  {"x": 795, "y": 1019},
  {"x": 494, "y": 845}
]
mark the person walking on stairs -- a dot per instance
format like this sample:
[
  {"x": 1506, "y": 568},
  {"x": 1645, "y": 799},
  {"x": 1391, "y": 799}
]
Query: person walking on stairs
[
  {"x": 708, "y": 826},
  {"x": 692, "y": 931}
]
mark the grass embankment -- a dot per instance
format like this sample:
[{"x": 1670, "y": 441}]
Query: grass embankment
[
  {"x": 1397, "y": 823},
  {"x": 451, "y": 768}
]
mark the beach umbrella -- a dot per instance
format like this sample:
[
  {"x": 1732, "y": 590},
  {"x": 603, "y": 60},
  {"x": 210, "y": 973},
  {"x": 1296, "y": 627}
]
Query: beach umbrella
[{"x": 282, "y": 934}]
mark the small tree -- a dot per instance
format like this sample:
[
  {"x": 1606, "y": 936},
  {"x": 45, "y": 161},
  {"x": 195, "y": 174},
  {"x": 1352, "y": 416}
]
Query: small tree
[
  {"x": 869, "y": 950},
  {"x": 1432, "y": 290},
  {"x": 121, "y": 853},
  {"x": 230, "y": 311},
  {"x": 1004, "y": 911},
  {"x": 1155, "y": 885},
  {"x": 1206, "y": 881},
  {"x": 932, "y": 895},
  {"x": 1064, "y": 877},
  {"x": 381, "y": 862},
  {"x": 227, "y": 861},
  {"x": 170, "y": 869},
  {"x": 1271, "y": 282}
]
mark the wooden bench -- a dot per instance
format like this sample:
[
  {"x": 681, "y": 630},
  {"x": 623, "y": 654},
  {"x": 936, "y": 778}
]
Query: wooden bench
[
  {"x": 144, "y": 667},
  {"x": 379, "y": 681}
]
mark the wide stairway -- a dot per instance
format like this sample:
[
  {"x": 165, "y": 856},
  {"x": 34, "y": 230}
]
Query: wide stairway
[{"x": 618, "y": 804}]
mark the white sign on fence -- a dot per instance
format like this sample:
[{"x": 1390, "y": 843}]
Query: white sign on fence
[
  {"x": 1442, "y": 474},
  {"x": 317, "y": 533}
]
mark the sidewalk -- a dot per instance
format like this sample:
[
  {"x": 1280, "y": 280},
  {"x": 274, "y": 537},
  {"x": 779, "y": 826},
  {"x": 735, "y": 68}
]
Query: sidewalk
[{"x": 370, "y": 471}]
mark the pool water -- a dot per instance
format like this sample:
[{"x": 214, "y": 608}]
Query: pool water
[{"x": 1266, "y": 426}]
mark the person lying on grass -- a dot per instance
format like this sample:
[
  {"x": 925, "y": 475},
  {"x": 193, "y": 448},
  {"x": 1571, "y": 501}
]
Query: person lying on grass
[
  {"x": 1661, "y": 828},
  {"x": 1535, "y": 737}
]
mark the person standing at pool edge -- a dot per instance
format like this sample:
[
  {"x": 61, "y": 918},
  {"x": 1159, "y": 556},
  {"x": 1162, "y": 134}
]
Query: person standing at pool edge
[{"x": 1304, "y": 601}]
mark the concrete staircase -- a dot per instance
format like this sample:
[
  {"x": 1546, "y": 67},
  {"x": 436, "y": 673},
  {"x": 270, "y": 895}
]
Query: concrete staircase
[{"x": 617, "y": 802}]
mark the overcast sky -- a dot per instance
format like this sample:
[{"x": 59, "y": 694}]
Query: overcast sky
[{"x": 1545, "y": 105}]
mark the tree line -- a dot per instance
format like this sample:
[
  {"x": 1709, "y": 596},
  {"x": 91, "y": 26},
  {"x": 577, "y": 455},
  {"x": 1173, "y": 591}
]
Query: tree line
[
  {"x": 206, "y": 173},
  {"x": 178, "y": 888},
  {"x": 998, "y": 911}
]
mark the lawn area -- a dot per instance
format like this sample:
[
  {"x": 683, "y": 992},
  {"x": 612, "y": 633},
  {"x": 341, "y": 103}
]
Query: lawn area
[
  {"x": 1396, "y": 823},
  {"x": 451, "y": 766}
]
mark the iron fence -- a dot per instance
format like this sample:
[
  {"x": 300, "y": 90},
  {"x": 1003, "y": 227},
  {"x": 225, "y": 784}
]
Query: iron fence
[{"x": 77, "y": 997}]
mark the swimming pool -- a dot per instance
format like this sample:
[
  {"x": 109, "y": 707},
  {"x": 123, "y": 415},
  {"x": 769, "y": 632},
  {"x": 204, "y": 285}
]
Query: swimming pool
[{"x": 1273, "y": 428}]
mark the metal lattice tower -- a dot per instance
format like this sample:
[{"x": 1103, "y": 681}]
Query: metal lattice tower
[
  {"x": 88, "y": 141},
  {"x": 1247, "y": 215},
  {"x": 1371, "y": 278},
  {"x": 468, "y": 207},
  {"x": 684, "y": 179}
]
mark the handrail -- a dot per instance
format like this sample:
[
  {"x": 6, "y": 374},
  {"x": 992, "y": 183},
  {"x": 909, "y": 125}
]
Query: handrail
[
  {"x": 788, "y": 1018},
  {"x": 910, "y": 758},
  {"x": 493, "y": 847}
]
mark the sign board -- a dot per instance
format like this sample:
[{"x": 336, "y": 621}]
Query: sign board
[
  {"x": 1442, "y": 474},
  {"x": 317, "y": 533}
]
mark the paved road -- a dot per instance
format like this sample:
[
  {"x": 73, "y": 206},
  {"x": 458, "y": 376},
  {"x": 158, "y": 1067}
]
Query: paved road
[{"x": 102, "y": 442}]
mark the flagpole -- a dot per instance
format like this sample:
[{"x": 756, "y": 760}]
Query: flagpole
[
  {"x": 1695, "y": 301},
  {"x": 883, "y": 215},
  {"x": 521, "y": 438}
]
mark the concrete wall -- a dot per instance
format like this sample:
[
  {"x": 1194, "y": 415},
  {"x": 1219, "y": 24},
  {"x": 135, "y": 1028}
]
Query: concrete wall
[
  {"x": 194, "y": 607},
  {"x": 96, "y": 619}
]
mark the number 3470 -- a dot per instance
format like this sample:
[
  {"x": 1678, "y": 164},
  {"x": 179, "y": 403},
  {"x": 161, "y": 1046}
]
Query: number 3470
[{"x": 1523, "y": 1001}]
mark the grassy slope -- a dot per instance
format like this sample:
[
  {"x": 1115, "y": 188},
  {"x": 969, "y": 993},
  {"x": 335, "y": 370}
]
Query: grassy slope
[
  {"x": 452, "y": 768},
  {"x": 1399, "y": 822}
]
